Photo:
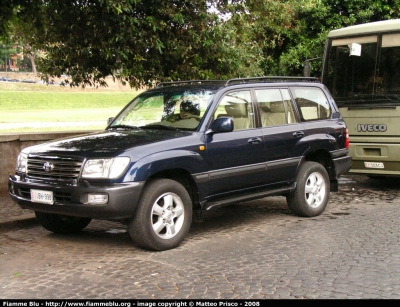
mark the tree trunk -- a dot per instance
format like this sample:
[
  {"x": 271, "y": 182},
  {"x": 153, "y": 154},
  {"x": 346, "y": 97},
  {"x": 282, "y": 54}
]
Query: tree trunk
[
  {"x": 32, "y": 58},
  {"x": 31, "y": 55}
]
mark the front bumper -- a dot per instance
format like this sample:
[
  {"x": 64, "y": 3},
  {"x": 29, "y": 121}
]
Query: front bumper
[{"x": 73, "y": 200}]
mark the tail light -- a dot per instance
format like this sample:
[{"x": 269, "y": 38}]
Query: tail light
[{"x": 346, "y": 140}]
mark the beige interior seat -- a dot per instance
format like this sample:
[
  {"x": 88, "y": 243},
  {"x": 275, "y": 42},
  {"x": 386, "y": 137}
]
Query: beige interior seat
[
  {"x": 276, "y": 115},
  {"x": 238, "y": 111},
  {"x": 264, "y": 113}
]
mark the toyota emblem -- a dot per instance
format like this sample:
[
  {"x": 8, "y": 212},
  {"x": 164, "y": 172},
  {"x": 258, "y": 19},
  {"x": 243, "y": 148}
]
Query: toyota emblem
[{"x": 48, "y": 166}]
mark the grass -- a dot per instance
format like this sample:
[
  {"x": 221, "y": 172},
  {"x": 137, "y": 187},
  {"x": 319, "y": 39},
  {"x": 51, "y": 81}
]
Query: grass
[{"x": 28, "y": 107}]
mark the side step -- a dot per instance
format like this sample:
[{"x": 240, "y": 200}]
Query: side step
[{"x": 198, "y": 212}]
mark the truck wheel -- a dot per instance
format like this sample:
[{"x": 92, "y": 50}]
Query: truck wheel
[
  {"x": 163, "y": 216},
  {"x": 62, "y": 223},
  {"x": 312, "y": 191}
]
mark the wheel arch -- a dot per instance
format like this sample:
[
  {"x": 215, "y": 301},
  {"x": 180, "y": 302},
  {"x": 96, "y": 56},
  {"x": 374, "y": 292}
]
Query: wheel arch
[
  {"x": 184, "y": 178},
  {"x": 324, "y": 158}
]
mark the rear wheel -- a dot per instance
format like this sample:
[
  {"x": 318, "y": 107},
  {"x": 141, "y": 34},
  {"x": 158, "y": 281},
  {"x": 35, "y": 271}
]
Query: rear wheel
[
  {"x": 312, "y": 191},
  {"x": 163, "y": 216},
  {"x": 62, "y": 223}
]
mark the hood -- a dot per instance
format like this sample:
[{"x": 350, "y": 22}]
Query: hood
[{"x": 105, "y": 143}]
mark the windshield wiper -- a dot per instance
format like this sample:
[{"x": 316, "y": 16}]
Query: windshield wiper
[
  {"x": 127, "y": 127},
  {"x": 158, "y": 127}
]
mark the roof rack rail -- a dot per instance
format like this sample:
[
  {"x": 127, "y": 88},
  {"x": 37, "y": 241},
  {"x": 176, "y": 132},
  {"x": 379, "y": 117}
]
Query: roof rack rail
[
  {"x": 241, "y": 80},
  {"x": 160, "y": 84},
  {"x": 271, "y": 79}
]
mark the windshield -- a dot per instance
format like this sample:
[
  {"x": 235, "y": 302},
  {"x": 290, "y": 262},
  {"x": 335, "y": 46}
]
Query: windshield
[
  {"x": 178, "y": 109},
  {"x": 364, "y": 70}
]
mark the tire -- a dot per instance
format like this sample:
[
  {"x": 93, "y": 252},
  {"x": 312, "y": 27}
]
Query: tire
[
  {"x": 62, "y": 223},
  {"x": 163, "y": 217},
  {"x": 312, "y": 191}
]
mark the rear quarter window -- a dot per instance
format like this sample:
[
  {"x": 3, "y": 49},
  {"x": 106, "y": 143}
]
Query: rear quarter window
[{"x": 312, "y": 103}]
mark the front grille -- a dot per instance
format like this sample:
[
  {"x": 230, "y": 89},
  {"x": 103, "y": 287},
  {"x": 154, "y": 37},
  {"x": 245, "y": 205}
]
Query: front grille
[{"x": 54, "y": 167}]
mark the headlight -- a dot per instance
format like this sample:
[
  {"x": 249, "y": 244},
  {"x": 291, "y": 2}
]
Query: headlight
[
  {"x": 105, "y": 168},
  {"x": 22, "y": 161}
]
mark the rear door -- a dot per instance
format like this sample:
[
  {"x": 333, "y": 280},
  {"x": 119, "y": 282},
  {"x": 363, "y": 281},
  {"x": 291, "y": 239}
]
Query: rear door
[{"x": 282, "y": 134}]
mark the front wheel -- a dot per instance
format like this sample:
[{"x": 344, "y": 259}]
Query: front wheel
[
  {"x": 312, "y": 191},
  {"x": 62, "y": 223},
  {"x": 163, "y": 216}
]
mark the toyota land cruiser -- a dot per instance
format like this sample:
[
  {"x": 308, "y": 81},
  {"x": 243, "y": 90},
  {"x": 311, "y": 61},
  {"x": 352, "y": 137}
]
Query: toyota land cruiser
[{"x": 184, "y": 147}]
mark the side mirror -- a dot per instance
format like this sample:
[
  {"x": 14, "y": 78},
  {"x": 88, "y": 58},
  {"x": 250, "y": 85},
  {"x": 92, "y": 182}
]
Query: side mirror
[
  {"x": 220, "y": 125},
  {"x": 109, "y": 120}
]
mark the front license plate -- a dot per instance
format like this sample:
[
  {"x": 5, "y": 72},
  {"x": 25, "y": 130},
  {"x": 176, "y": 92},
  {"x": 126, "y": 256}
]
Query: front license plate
[
  {"x": 44, "y": 197},
  {"x": 374, "y": 165}
]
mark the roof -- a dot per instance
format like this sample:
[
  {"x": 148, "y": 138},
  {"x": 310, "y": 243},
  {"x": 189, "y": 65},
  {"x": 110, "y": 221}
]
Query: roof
[{"x": 371, "y": 27}]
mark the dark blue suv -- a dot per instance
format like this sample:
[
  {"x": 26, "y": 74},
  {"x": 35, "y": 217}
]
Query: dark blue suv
[{"x": 184, "y": 147}]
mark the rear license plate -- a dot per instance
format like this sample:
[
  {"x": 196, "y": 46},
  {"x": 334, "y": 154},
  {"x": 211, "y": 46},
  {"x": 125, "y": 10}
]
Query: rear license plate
[
  {"x": 374, "y": 165},
  {"x": 44, "y": 197}
]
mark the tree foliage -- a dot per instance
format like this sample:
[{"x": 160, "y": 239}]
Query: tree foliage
[
  {"x": 143, "y": 41},
  {"x": 136, "y": 41}
]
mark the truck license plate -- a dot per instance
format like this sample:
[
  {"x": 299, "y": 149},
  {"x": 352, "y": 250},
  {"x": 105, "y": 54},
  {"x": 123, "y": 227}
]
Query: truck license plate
[
  {"x": 44, "y": 197},
  {"x": 374, "y": 165}
]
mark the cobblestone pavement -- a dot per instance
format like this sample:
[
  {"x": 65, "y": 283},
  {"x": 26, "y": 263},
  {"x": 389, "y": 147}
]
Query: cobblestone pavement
[
  {"x": 255, "y": 250},
  {"x": 10, "y": 213}
]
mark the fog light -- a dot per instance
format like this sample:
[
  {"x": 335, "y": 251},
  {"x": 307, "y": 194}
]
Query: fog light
[{"x": 97, "y": 198}]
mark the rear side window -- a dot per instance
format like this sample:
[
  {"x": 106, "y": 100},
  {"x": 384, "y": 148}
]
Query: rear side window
[
  {"x": 274, "y": 107},
  {"x": 311, "y": 103}
]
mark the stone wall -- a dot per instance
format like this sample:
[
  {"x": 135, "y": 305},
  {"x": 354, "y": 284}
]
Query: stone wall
[{"x": 12, "y": 144}]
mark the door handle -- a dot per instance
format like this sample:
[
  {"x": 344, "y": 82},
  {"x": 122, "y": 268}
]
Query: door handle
[
  {"x": 298, "y": 134},
  {"x": 254, "y": 141}
]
